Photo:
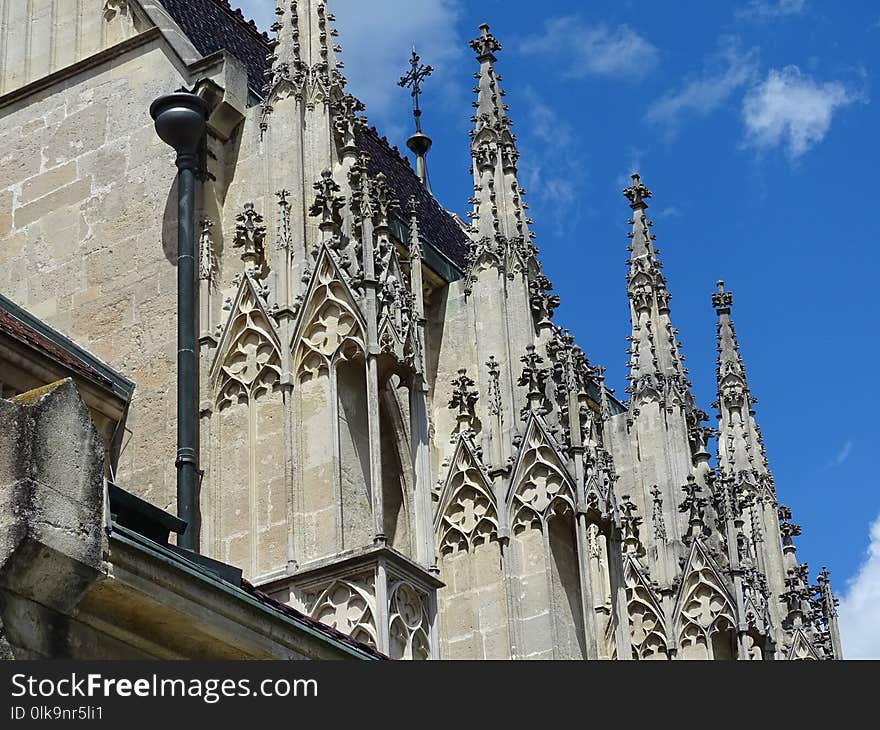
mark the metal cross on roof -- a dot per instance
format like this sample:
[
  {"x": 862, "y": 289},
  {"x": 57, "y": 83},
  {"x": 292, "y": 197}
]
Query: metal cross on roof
[{"x": 417, "y": 73}]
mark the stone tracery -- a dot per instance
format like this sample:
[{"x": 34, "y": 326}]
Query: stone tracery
[
  {"x": 332, "y": 324},
  {"x": 409, "y": 623},
  {"x": 251, "y": 364},
  {"x": 469, "y": 518},
  {"x": 348, "y": 605}
]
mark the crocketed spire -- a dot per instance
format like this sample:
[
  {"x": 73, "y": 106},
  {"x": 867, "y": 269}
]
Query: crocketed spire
[
  {"x": 657, "y": 371},
  {"x": 304, "y": 55},
  {"x": 499, "y": 215},
  {"x": 740, "y": 447}
]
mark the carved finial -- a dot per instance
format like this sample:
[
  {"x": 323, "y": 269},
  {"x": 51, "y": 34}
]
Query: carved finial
[
  {"x": 383, "y": 202},
  {"x": 464, "y": 400},
  {"x": 328, "y": 203},
  {"x": 494, "y": 395},
  {"x": 604, "y": 402},
  {"x": 207, "y": 260},
  {"x": 285, "y": 237},
  {"x": 486, "y": 45},
  {"x": 722, "y": 300},
  {"x": 657, "y": 515},
  {"x": 535, "y": 378},
  {"x": 250, "y": 236},
  {"x": 787, "y": 528},
  {"x": 695, "y": 505},
  {"x": 629, "y": 523},
  {"x": 346, "y": 121},
  {"x": 637, "y": 193},
  {"x": 827, "y": 602}
]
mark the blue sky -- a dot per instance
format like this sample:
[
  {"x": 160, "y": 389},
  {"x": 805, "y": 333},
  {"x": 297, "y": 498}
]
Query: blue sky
[{"x": 754, "y": 122}]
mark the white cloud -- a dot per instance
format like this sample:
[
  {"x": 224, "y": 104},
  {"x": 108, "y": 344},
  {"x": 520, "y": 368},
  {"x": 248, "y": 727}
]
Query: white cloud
[
  {"x": 769, "y": 9},
  {"x": 551, "y": 167},
  {"x": 667, "y": 213},
  {"x": 377, "y": 38},
  {"x": 841, "y": 455},
  {"x": 593, "y": 50},
  {"x": 729, "y": 70},
  {"x": 624, "y": 179},
  {"x": 790, "y": 109},
  {"x": 860, "y": 608}
]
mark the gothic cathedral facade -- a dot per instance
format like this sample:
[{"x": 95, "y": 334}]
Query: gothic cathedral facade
[{"x": 397, "y": 438}]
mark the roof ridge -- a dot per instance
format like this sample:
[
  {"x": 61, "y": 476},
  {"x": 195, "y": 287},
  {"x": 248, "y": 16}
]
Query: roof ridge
[
  {"x": 243, "y": 20},
  {"x": 383, "y": 139}
]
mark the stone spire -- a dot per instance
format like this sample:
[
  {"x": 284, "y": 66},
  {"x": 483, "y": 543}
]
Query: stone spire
[
  {"x": 656, "y": 365},
  {"x": 304, "y": 55},
  {"x": 499, "y": 216},
  {"x": 740, "y": 447}
]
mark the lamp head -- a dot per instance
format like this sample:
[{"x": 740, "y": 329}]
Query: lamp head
[{"x": 181, "y": 120}]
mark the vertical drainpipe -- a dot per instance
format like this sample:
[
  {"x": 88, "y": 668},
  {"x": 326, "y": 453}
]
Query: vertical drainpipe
[{"x": 181, "y": 122}]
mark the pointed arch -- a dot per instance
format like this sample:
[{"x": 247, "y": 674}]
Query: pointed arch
[
  {"x": 248, "y": 362},
  {"x": 646, "y": 621},
  {"x": 704, "y": 609},
  {"x": 331, "y": 324},
  {"x": 540, "y": 479},
  {"x": 466, "y": 514},
  {"x": 248, "y": 493},
  {"x": 474, "y": 604},
  {"x": 802, "y": 648}
]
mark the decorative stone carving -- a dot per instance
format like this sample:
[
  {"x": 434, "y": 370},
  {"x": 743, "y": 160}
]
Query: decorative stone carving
[
  {"x": 331, "y": 323},
  {"x": 285, "y": 237},
  {"x": 249, "y": 357},
  {"x": 534, "y": 378},
  {"x": 704, "y": 607},
  {"x": 348, "y": 605},
  {"x": 629, "y": 523},
  {"x": 493, "y": 397},
  {"x": 113, "y": 8},
  {"x": 409, "y": 623},
  {"x": 540, "y": 481},
  {"x": 207, "y": 260},
  {"x": 346, "y": 122},
  {"x": 646, "y": 623},
  {"x": 463, "y": 401},
  {"x": 694, "y": 505},
  {"x": 468, "y": 516},
  {"x": 328, "y": 203},
  {"x": 250, "y": 237}
]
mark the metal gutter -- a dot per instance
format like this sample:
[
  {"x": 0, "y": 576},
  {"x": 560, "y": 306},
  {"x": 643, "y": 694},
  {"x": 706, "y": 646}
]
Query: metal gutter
[{"x": 432, "y": 256}]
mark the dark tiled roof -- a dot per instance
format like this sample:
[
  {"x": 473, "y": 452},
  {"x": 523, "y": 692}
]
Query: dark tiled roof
[
  {"x": 437, "y": 226},
  {"x": 213, "y": 25}
]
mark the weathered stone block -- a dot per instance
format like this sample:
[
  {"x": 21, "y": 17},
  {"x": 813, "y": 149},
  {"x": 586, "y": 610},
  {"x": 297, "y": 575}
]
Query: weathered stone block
[
  {"x": 53, "y": 469},
  {"x": 80, "y": 132},
  {"x": 47, "y": 182},
  {"x": 71, "y": 194}
]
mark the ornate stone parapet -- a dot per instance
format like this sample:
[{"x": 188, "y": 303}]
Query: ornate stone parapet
[{"x": 376, "y": 595}]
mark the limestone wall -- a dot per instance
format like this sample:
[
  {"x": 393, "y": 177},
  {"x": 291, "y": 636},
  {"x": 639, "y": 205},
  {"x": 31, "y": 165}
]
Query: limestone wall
[
  {"x": 87, "y": 236},
  {"x": 43, "y": 36}
]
